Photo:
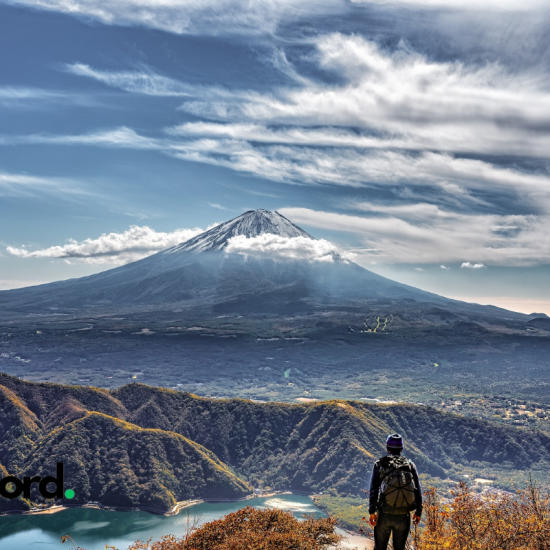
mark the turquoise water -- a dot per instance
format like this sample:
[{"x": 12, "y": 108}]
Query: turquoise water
[{"x": 93, "y": 529}]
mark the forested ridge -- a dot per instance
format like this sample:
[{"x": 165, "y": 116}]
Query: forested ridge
[{"x": 150, "y": 447}]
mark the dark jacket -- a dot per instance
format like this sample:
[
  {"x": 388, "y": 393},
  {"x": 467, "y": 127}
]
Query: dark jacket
[{"x": 374, "y": 495}]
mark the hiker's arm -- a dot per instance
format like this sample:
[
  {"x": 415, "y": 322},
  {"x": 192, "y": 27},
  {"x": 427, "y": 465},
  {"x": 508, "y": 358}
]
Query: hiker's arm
[
  {"x": 417, "y": 492},
  {"x": 374, "y": 489}
]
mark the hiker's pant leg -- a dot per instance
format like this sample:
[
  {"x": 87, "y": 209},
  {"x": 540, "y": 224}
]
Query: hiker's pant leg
[
  {"x": 401, "y": 526},
  {"x": 382, "y": 532}
]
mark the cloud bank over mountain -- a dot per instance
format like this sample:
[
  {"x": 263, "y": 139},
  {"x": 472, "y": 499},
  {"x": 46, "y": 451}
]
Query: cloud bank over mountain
[
  {"x": 112, "y": 248},
  {"x": 277, "y": 247}
]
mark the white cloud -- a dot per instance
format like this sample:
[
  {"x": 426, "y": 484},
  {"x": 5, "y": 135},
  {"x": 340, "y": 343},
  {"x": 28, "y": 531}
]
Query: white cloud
[
  {"x": 146, "y": 81},
  {"x": 389, "y": 118},
  {"x": 112, "y": 248},
  {"x": 444, "y": 267},
  {"x": 469, "y": 265},
  {"x": 362, "y": 129},
  {"x": 192, "y": 16},
  {"x": 399, "y": 98},
  {"x": 410, "y": 211},
  {"x": 243, "y": 16},
  {"x": 490, "y": 239},
  {"x": 394, "y": 118},
  {"x": 216, "y": 205},
  {"x": 476, "y": 5},
  {"x": 143, "y": 82},
  {"x": 119, "y": 137},
  {"x": 459, "y": 180},
  {"x": 287, "y": 135},
  {"x": 139, "y": 215},
  {"x": 277, "y": 247}
]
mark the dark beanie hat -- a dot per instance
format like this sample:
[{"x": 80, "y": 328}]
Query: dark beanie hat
[{"x": 394, "y": 441}]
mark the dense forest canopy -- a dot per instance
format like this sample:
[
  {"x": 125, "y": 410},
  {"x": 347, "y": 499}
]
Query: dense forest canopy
[{"x": 142, "y": 446}]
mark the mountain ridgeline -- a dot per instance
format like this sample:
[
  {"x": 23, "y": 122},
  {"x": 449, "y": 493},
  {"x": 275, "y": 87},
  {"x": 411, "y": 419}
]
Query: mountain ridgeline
[
  {"x": 226, "y": 313},
  {"x": 201, "y": 273},
  {"x": 142, "y": 446}
]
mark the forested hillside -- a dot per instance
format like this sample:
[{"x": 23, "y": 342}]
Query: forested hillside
[{"x": 150, "y": 447}]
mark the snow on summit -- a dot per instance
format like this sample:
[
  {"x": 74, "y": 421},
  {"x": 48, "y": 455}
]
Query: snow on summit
[{"x": 250, "y": 224}]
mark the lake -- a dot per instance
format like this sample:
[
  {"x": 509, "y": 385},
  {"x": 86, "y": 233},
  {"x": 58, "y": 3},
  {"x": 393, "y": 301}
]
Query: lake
[{"x": 93, "y": 529}]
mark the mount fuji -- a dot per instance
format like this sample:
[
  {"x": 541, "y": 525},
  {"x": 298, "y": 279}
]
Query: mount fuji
[
  {"x": 206, "y": 272},
  {"x": 256, "y": 307}
]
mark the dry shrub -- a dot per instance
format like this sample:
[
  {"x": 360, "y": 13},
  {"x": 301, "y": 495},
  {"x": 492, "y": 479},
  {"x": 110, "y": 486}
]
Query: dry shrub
[
  {"x": 498, "y": 521},
  {"x": 253, "y": 529},
  {"x": 494, "y": 522}
]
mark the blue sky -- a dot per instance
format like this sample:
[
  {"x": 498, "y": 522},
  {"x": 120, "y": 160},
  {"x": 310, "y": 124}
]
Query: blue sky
[{"x": 413, "y": 134}]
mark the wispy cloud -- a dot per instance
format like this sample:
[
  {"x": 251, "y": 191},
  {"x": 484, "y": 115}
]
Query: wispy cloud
[
  {"x": 455, "y": 180},
  {"x": 146, "y": 81},
  {"x": 288, "y": 135},
  {"x": 112, "y": 248},
  {"x": 399, "y": 98},
  {"x": 139, "y": 215},
  {"x": 209, "y": 17},
  {"x": 216, "y": 205},
  {"x": 118, "y": 137},
  {"x": 15, "y": 93},
  {"x": 450, "y": 237},
  {"x": 250, "y": 17},
  {"x": 143, "y": 82},
  {"x": 391, "y": 117},
  {"x": 26, "y": 185},
  {"x": 486, "y": 5},
  {"x": 40, "y": 98}
]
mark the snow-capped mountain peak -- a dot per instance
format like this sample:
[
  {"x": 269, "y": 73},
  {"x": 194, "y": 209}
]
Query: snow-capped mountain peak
[{"x": 250, "y": 224}]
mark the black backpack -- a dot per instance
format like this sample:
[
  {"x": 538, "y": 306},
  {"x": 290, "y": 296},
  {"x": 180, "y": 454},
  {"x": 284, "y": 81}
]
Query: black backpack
[{"x": 397, "y": 486}]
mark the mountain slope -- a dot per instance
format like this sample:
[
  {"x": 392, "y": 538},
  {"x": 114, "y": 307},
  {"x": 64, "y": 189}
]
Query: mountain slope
[
  {"x": 19, "y": 428},
  {"x": 167, "y": 445},
  {"x": 123, "y": 465},
  {"x": 200, "y": 273}
]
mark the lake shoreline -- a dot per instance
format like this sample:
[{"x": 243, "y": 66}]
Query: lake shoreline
[
  {"x": 175, "y": 510},
  {"x": 94, "y": 526}
]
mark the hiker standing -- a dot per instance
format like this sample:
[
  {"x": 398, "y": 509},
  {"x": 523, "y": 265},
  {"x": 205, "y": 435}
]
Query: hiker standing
[{"x": 394, "y": 493}]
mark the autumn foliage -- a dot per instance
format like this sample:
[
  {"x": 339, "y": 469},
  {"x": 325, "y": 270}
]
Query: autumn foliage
[
  {"x": 253, "y": 529},
  {"x": 472, "y": 522}
]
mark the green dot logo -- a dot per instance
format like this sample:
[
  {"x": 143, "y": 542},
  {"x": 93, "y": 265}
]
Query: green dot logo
[{"x": 69, "y": 493}]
